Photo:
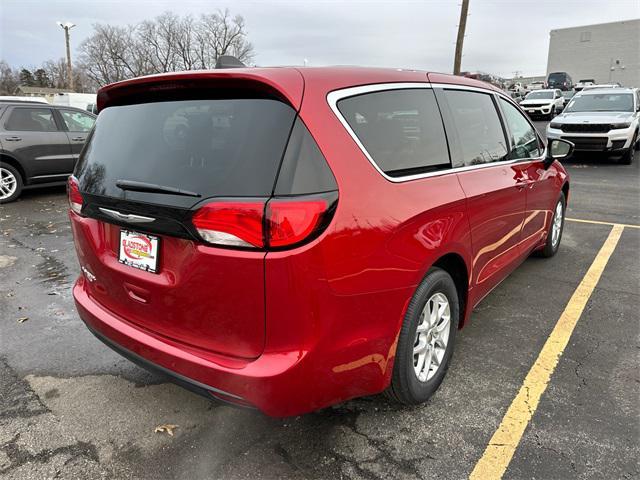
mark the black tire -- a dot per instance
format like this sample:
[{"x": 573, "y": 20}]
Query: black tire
[
  {"x": 629, "y": 155},
  {"x": 405, "y": 386},
  {"x": 10, "y": 169},
  {"x": 550, "y": 249},
  {"x": 552, "y": 113}
]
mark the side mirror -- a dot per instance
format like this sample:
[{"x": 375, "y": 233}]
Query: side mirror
[{"x": 558, "y": 149}]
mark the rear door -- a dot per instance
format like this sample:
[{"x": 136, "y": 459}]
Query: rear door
[
  {"x": 542, "y": 190},
  {"x": 199, "y": 150},
  {"x": 495, "y": 189},
  {"x": 77, "y": 125},
  {"x": 32, "y": 134}
]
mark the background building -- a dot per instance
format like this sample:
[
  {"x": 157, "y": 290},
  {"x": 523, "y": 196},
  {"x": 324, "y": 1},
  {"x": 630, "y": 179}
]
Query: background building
[
  {"x": 45, "y": 92},
  {"x": 606, "y": 52}
]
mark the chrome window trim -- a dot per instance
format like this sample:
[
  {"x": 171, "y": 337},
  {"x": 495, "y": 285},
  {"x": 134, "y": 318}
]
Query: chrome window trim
[{"x": 335, "y": 96}]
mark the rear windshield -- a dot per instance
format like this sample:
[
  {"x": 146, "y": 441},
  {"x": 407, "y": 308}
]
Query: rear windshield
[
  {"x": 223, "y": 147},
  {"x": 557, "y": 77}
]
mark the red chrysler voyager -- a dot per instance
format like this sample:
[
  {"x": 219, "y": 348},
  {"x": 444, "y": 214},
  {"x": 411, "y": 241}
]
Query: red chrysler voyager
[{"x": 287, "y": 239}]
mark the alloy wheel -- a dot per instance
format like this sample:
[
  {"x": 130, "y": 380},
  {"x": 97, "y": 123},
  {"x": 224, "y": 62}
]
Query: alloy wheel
[
  {"x": 556, "y": 227},
  {"x": 8, "y": 183},
  {"x": 432, "y": 336}
]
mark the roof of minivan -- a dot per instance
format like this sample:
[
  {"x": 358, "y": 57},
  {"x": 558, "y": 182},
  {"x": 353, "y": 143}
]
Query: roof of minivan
[
  {"x": 348, "y": 76},
  {"x": 288, "y": 82}
]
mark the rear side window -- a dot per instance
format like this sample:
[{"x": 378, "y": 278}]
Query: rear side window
[
  {"x": 523, "y": 136},
  {"x": 475, "y": 128},
  {"x": 31, "y": 120},
  {"x": 401, "y": 129},
  {"x": 222, "y": 147},
  {"x": 304, "y": 169},
  {"x": 77, "y": 121}
]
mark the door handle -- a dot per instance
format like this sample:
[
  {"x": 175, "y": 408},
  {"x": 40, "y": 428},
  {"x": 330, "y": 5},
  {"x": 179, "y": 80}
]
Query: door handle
[
  {"x": 78, "y": 139},
  {"x": 13, "y": 139}
]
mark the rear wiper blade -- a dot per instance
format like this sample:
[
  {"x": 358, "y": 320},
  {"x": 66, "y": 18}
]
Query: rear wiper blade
[{"x": 153, "y": 188}]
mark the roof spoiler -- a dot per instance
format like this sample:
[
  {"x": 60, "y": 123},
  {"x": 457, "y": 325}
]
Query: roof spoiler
[
  {"x": 228, "y": 61},
  {"x": 283, "y": 84}
]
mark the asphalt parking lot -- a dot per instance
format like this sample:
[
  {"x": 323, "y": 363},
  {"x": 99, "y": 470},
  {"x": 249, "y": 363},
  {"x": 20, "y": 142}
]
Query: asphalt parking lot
[{"x": 71, "y": 408}]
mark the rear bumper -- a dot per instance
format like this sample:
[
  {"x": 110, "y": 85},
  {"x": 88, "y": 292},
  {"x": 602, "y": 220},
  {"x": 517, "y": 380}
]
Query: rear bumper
[
  {"x": 281, "y": 382},
  {"x": 196, "y": 387},
  {"x": 260, "y": 383}
]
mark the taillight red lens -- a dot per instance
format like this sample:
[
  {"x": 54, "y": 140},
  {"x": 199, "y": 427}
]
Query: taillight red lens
[
  {"x": 242, "y": 224},
  {"x": 290, "y": 222},
  {"x": 237, "y": 224},
  {"x": 75, "y": 197}
]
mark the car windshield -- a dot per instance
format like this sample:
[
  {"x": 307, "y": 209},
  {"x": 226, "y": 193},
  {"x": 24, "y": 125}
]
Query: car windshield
[
  {"x": 556, "y": 77},
  {"x": 602, "y": 102},
  {"x": 539, "y": 96}
]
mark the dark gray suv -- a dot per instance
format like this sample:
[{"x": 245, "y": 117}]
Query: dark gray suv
[{"x": 39, "y": 144}]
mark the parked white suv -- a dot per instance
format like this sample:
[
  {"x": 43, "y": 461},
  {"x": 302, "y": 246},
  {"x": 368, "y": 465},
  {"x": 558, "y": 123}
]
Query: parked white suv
[
  {"x": 603, "y": 120},
  {"x": 543, "y": 102}
]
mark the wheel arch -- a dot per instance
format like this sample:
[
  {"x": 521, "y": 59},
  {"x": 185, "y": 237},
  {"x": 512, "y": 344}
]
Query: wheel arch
[
  {"x": 8, "y": 159},
  {"x": 454, "y": 264},
  {"x": 565, "y": 190}
]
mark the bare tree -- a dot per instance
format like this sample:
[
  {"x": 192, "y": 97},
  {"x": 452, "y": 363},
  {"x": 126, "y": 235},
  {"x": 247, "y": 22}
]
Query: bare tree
[
  {"x": 186, "y": 44},
  {"x": 219, "y": 34},
  {"x": 9, "y": 79},
  {"x": 112, "y": 54},
  {"x": 157, "y": 40},
  {"x": 57, "y": 72},
  {"x": 164, "y": 44}
]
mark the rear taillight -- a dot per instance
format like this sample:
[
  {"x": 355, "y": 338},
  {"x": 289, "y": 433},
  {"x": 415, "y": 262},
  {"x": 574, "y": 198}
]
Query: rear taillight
[
  {"x": 74, "y": 195},
  {"x": 237, "y": 224},
  {"x": 290, "y": 222},
  {"x": 278, "y": 223}
]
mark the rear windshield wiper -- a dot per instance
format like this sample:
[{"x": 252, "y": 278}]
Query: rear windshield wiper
[{"x": 153, "y": 188}]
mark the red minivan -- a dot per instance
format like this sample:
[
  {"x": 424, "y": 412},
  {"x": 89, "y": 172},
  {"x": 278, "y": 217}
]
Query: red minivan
[{"x": 287, "y": 239}]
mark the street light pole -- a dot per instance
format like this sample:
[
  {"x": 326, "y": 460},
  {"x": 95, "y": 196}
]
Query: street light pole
[
  {"x": 462, "y": 26},
  {"x": 66, "y": 27}
]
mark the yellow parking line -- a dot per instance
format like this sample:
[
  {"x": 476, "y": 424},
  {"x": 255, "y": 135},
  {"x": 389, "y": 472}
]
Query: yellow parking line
[
  {"x": 597, "y": 222},
  {"x": 499, "y": 451}
]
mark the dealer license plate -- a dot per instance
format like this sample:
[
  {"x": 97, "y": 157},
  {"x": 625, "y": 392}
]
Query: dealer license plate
[{"x": 139, "y": 250}]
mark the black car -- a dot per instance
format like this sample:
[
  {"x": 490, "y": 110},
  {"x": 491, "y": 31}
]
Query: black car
[
  {"x": 39, "y": 144},
  {"x": 560, "y": 80}
]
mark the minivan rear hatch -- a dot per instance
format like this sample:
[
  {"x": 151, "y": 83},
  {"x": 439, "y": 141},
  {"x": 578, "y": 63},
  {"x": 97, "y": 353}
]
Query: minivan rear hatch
[{"x": 162, "y": 148}]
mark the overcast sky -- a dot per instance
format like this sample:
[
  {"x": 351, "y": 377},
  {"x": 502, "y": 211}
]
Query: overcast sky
[{"x": 503, "y": 36}]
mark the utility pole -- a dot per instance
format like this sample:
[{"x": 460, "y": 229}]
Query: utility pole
[
  {"x": 461, "y": 28},
  {"x": 66, "y": 27}
]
